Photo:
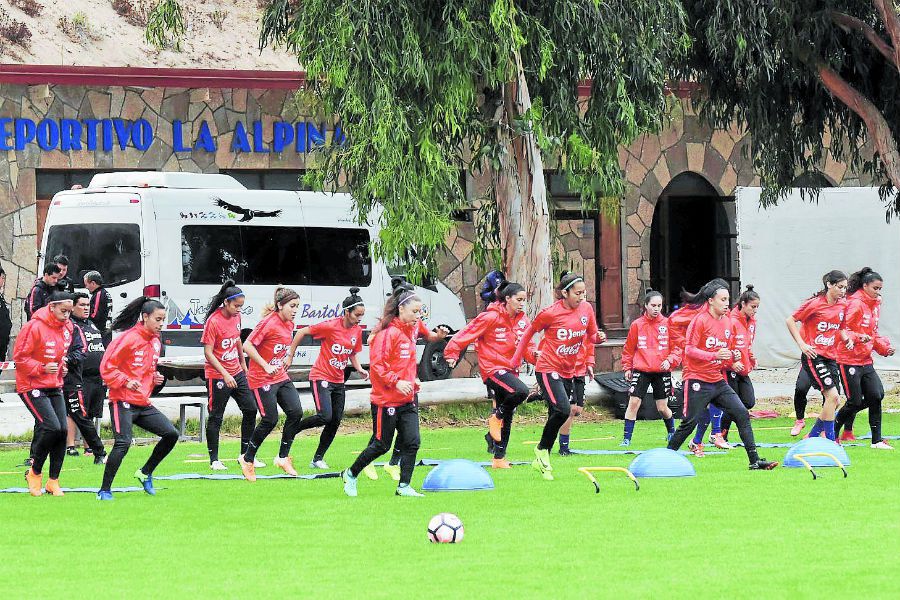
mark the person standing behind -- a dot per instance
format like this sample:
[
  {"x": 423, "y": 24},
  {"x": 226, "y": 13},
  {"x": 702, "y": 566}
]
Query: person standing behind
[
  {"x": 41, "y": 290},
  {"x": 5, "y": 319},
  {"x": 101, "y": 304},
  {"x": 64, "y": 284},
  {"x": 83, "y": 355},
  {"x": 40, "y": 354}
]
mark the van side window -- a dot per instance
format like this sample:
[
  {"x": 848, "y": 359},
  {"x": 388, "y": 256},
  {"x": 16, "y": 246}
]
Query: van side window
[
  {"x": 114, "y": 249},
  {"x": 266, "y": 255}
]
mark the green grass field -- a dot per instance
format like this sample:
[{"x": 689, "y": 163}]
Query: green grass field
[{"x": 727, "y": 532}]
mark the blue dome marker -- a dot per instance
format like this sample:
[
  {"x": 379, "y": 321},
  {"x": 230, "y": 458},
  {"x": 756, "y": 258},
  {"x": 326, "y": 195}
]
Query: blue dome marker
[
  {"x": 458, "y": 475},
  {"x": 661, "y": 462}
]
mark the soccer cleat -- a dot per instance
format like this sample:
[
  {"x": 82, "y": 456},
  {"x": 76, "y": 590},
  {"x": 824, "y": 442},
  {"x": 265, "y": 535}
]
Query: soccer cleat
[
  {"x": 494, "y": 426},
  {"x": 100, "y": 459},
  {"x": 105, "y": 495},
  {"x": 625, "y": 442},
  {"x": 217, "y": 465},
  {"x": 286, "y": 464},
  {"x": 257, "y": 464},
  {"x": 490, "y": 443},
  {"x": 404, "y": 489},
  {"x": 349, "y": 483},
  {"x": 72, "y": 451},
  {"x": 725, "y": 434},
  {"x": 247, "y": 468},
  {"x": 371, "y": 472},
  {"x": 35, "y": 481},
  {"x": 564, "y": 451},
  {"x": 882, "y": 445},
  {"x": 500, "y": 463},
  {"x": 88, "y": 452},
  {"x": 799, "y": 424},
  {"x": 719, "y": 442},
  {"x": 848, "y": 436},
  {"x": 762, "y": 464},
  {"x": 697, "y": 449},
  {"x": 318, "y": 464},
  {"x": 53, "y": 488},
  {"x": 146, "y": 482},
  {"x": 541, "y": 463},
  {"x": 393, "y": 471}
]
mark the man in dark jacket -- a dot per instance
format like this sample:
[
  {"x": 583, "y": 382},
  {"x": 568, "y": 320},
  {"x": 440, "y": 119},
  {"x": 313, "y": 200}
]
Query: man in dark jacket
[
  {"x": 65, "y": 284},
  {"x": 40, "y": 292},
  {"x": 83, "y": 388},
  {"x": 101, "y": 304}
]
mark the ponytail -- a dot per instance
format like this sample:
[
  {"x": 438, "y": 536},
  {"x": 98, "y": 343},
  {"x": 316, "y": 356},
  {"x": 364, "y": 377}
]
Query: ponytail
[
  {"x": 282, "y": 296},
  {"x": 507, "y": 290},
  {"x": 352, "y": 301},
  {"x": 401, "y": 295},
  {"x": 831, "y": 277},
  {"x": 861, "y": 278},
  {"x": 129, "y": 316},
  {"x": 228, "y": 291},
  {"x": 706, "y": 292},
  {"x": 748, "y": 295}
]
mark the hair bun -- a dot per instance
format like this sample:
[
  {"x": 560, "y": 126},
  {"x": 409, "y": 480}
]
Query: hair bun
[
  {"x": 228, "y": 283},
  {"x": 354, "y": 291},
  {"x": 563, "y": 274},
  {"x": 749, "y": 287}
]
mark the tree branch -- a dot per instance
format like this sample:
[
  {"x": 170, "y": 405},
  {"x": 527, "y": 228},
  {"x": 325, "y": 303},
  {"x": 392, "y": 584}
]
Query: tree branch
[
  {"x": 848, "y": 23},
  {"x": 877, "y": 125},
  {"x": 892, "y": 24}
]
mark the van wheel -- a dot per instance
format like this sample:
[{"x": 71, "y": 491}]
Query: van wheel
[{"x": 433, "y": 366}]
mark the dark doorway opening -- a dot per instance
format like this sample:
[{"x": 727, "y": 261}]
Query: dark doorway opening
[{"x": 692, "y": 238}]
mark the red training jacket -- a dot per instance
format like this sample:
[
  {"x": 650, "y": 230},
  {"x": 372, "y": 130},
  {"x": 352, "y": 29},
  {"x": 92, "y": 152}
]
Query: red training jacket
[
  {"x": 648, "y": 345},
  {"x": 705, "y": 336},
  {"x": 821, "y": 324},
  {"x": 565, "y": 330},
  {"x": 495, "y": 335},
  {"x": 132, "y": 355},
  {"x": 678, "y": 325},
  {"x": 392, "y": 358},
  {"x": 862, "y": 317},
  {"x": 743, "y": 330},
  {"x": 44, "y": 339}
]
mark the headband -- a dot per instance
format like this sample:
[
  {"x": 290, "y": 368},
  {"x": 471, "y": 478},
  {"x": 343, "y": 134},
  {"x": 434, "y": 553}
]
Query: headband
[
  {"x": 233, "y": 296},
  {"x": 409, "y": 296},
  {"x": 355, "y": 304},
  {"x": 573, "y": 282},
  {"x": 59, "y": 301}
]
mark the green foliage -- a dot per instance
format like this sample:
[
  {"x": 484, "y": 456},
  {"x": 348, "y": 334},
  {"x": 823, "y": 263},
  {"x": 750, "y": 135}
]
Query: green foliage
[
  {"x": 165, "y": 19},
  {"x": 419, "y": 87},
  {"x": 757, "y": 62}
]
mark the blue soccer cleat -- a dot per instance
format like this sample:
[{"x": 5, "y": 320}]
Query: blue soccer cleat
[
  {"x": 104, "y": 495},
  {"x": 146, "y": 481}
]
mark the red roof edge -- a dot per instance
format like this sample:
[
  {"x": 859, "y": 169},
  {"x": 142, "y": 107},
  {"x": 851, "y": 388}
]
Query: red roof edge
[{"x": 150, "y": 77}]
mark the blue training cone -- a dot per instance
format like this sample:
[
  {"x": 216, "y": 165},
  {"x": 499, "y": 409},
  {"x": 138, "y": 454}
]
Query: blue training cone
[
  {"x": 456, "y": 476},
  {"x": 816, "y": 445},
  {"x": 661, "y": 462}
]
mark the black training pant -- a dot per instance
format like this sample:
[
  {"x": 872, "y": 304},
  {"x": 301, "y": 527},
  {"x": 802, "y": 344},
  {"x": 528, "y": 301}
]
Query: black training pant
[
  {"x": 743, "y": 387},
  {"x": 94, "y": 392},
  {"x": 329, "y": 398},
  {"x": 557, "y": 391},
  {"x": 864, "y": 389},
  {"x": 698, "y": 395},
  {"x": 509, "y": 393},
  {"x": 218, "y": 395},
  {"x": 48, "y": 408},
  {"x": 78, "y": 412},
  {"x": 801, "y": 389},
  {"x": 268, "y": 399},
  {"x": 124, "y": 417},
  {"x": 385, "y": 419}
]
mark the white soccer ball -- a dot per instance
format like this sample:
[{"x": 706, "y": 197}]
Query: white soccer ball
[{"x": 445, "y": 528}]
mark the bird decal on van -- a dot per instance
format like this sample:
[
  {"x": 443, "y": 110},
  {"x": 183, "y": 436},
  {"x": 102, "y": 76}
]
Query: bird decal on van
[{"x": 246, "y": 213}]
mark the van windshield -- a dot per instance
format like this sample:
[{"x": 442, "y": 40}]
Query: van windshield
[
  {"x": 271, "y": 255},
  {"x": 113, "y": 249}
]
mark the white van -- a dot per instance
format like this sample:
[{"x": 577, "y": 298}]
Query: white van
[{"x": 177, "y": 236}]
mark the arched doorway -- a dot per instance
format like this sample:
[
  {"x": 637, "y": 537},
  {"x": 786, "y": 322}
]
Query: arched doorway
[{"x": 692, "y": 239}]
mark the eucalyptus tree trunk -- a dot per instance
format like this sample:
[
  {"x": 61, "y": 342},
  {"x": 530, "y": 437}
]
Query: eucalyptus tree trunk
[{"x": 521, "y": 196}]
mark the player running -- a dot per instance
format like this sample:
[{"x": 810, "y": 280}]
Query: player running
[
  {"x": 567, "y": 324},
  {"x": 129, "y": 371},
  {"x": 648, "y": 360},
  {"x": 859, "y": 379},
  {"x": 743, "y": 332},
  {"x": 495, "y": 333},
  {"x": 226, "y": 370},
  {"x": 341, "y": 344},
  {"x": 821, "y": 330}
]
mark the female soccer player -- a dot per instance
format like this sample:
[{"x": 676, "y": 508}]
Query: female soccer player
[
  {"x": 859, "y": 379},
  {"x": 648, "y": 360},
  {"x": 40, "y": 356},
  {"x": 392, "y": 370},
  {"x": 822, "y": 330},
  {"x": 341, "y": 343},
  {"x": 129, "y": 371},
  {"x": 495, "y": 333},
  {"x": 267, "y": 347},
  {"x": 708, "y": 351},
  {"x": 226, "y": 369},
  {"x": 567, "y": 324},
  {"x": 743, "y": 332}
]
